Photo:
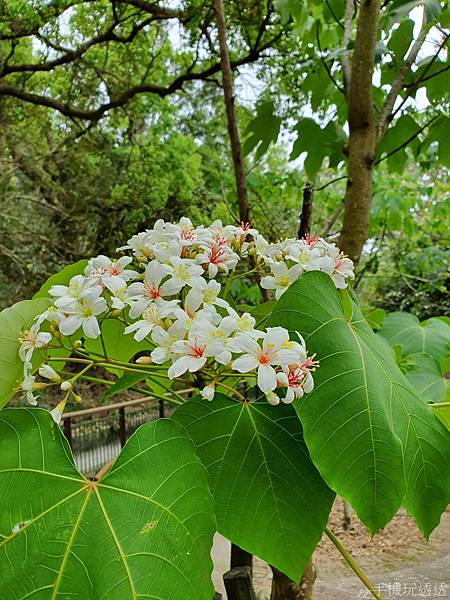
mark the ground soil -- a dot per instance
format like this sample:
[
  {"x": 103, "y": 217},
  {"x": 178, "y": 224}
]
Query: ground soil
[{"x": 398, "y": 559}]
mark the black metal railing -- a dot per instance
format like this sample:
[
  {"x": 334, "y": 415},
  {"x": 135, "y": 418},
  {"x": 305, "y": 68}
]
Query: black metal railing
[{"x": 96, "y": 435}]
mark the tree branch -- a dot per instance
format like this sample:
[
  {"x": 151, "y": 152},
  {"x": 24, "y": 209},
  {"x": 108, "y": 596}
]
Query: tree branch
[
  {"x": 162, "y": 91},
  {"x": 71, "y": 55},
  {"x": 386, "y": 116},
  {"x": 227, "y": 83},
  {"x": 348, "y": 16}
]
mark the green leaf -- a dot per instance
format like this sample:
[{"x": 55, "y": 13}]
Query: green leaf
[
  {"x": 373, "y": 439},
  {"x": 375, "y": 317},
  {"x": 126, "y": 381},
  {"x": 424, "y": 374},
  {"x": 143, "y": 531},
  {"x": 431, "y": 337},
  {"x": 262, "y": 130},
  {"x": 318, "y": 143},
  {"x": 119, "y": 345},
  {"x": 440, "y": 132},
  {"x": 269, "y": 497},
  {"x": 443, "y": 415},
  {"x": 260, "y": 312},
  {"x": 402, "y": 130},
  {"x": 61, "y": 278},
  {"x": 401, "y": 39},
  {"x": 399, "y": 9},
  {"x": 12, "y": 321}
]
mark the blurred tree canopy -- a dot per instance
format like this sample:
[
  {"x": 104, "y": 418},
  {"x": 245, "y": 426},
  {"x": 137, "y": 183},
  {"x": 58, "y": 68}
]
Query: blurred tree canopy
[{"x": 111, "y": 115}]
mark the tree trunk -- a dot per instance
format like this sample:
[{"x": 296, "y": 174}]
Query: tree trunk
[
  {"x": 305, "y": 214},
  {"x": 347, "y": 521},
  {"x": 227, "y": 83},
  {"x": 284, "y": 588},
  {"x": 238, "y": 584},
  {"x": 362, "y": 133}
]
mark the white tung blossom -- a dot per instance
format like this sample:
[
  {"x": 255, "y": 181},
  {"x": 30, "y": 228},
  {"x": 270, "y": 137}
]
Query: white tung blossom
[{"x": 171, "y": 293}]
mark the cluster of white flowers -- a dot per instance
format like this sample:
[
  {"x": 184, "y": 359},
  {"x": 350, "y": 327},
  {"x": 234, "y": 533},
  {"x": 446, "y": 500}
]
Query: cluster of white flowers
[{"x": 172, "y": 300}]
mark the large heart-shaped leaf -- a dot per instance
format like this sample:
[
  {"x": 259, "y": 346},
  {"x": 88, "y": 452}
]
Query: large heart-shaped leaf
[
  {"x": 270, "y": 499},
  {"x": 12, "y": 321},
  {"x": 143, "y": 531},
  {"x": 62, "y": 278},
  {"x": 431, "y": 337},
  {"x": 373, "y": 439},
  {"x": 424, "y": 374}
]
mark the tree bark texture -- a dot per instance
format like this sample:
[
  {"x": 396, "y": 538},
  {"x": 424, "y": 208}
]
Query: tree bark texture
[
  {"x": 233, "y": 132},
  {"x": 306, "y": 212},
  {"x": 284, "y": 588},
  {"x": 238, "y": 584},
  {"x": 362, "y": 133}
]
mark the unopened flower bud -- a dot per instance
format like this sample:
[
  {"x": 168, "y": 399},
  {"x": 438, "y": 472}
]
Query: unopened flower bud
[
  {"x": 144, "y": 360},
  {"x": 272, "y": 398},
  {"x": 65, "y": 386},
  {"x": 208, "y": 392},
  {"x": 117, "y": 312},
  {"x": 48, "y": 372},
  {"x": 78, "y": 344},
  {"x": 77, "y": 398},
  {"x": 39, "y": 386},
  {"x": 57, "y": 412}
]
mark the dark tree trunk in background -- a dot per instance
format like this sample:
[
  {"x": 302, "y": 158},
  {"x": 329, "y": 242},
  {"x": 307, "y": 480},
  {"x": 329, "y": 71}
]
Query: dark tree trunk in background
[
  {"x": 227, "y": 83},
  {"x": 238, "y": 584},
  {"x": 362, "y": 132},
  {"x": 239, "y": 557},
  {"x": 306, "y": 212},
  {"x": 284, "y": 588}
]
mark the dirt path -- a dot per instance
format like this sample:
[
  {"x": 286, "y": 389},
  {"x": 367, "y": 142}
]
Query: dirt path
[{"x": 398, "y": 560}]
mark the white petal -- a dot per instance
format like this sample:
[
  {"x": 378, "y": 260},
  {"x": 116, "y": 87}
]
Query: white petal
[
  {"x": 70, "y": 324},
  {"x": 245, "y": 363},
  {"x": 267, "y": 378},
  {"x": 171, "y": 287},
  {"x": 289, "y": 398},
  {"x": 275, "y": 337},
  {"x": 247, "y": 343},
  {"x": 91, "y": 327},
  {"x": 179, "y": 367}
]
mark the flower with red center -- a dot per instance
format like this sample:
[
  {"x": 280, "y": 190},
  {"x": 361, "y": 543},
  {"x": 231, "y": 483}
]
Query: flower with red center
[
  {"x": 142, "y": 294},
  {"x": 275, "y": 350},
  {"x": 190, "y": 356}
]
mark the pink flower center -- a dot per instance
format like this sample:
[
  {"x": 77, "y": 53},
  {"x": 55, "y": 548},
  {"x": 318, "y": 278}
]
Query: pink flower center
[
  {"x": 215, "y": 255},
  {"x": 188, "y": 235},
  {"x": 264, "y": 358},
  {"x": 196, "y": 350},
  {"x": 311, "y": 240},
  {"x": 295, "y": 378},
  {"x": 310, "y": 364},
  {"x": 116, "y": 270},
  {"x": 151, "y": 292}
]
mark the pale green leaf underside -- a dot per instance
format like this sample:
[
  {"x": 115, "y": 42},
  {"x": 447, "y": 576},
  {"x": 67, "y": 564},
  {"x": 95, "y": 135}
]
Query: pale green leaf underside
[
  {"x": 143, "y": 531},
  {"x": 12, "y": 321},
  {"x": 373, "y": 439},
  {"x": 269, "y": 497}
]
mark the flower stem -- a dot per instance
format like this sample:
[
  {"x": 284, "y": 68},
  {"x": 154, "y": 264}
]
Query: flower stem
[
  {"x": 440, "y": 405},
  {"x": 233, "y": 391},
  {"x": 353, "y": 565}
]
